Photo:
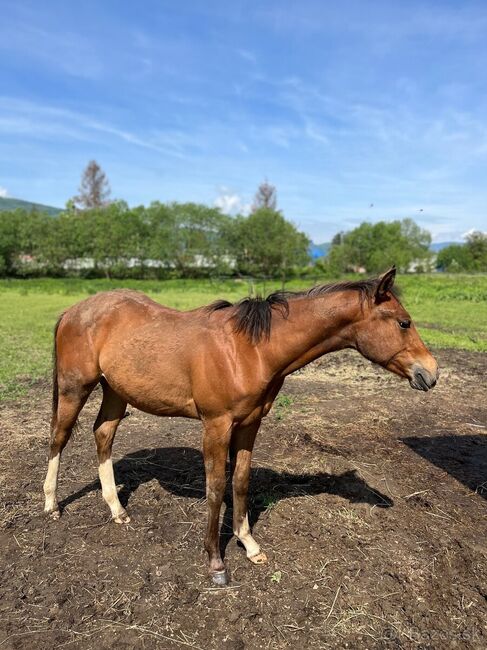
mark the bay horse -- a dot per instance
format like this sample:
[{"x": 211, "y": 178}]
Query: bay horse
[{"x": 223, "y": 364}]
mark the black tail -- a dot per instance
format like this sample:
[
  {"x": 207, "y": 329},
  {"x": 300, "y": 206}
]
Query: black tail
[{"x": 55, "y": 387}]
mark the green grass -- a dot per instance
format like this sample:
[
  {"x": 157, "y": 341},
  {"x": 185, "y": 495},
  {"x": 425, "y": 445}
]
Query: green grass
[
  {"x": 282, "y": 405},
  {"x": 450, "y": 310}
]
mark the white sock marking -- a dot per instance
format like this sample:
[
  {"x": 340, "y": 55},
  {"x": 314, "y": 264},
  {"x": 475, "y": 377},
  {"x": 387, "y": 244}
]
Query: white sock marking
[
  {"x": 108, "y": 487},
  {"x": 50, "y": 484},
  {"x": 243, "y": 533}
]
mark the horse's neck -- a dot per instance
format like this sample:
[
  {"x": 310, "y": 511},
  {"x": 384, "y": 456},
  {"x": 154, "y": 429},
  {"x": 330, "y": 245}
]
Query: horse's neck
[{"x": 315, "y": 326}]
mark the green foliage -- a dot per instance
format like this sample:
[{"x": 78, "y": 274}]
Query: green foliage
[
  {"x": 276, "y": 576},
  {"x": 163, "y": 240},
  {"x": 20, "y": 235},
  {"x": 114, "y": 241},
  {"x": 197, "y": 238},
  {"x": 378, "y": 246},
  {"x": 471, "y": 256},
  {"x": 266, "y": 245},
  {"x": 454, "y": 258},
  {"x": 266, "y": 501},
  {"x": 282, "y": 405}
]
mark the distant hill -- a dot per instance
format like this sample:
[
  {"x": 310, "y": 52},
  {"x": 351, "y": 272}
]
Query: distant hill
[
  {"x": 18, "y": 204},
  {"x": 318, "y": 250},
  {"x": 438, "y": 246}
]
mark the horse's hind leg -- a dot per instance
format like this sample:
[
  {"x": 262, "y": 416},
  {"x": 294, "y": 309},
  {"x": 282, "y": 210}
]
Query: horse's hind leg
[
  {"x": 111, "y": 412},
  {"x": 241, "y": 447},
  {"x": 64, "y": 418}
]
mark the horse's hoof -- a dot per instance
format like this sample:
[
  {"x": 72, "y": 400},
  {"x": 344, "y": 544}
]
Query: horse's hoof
[
  {"x": 260, "y": 558},
  {"x": 53, "y": 514},
  {"x": 220, "y": 578},
  {"x": 122, "y": 518}
]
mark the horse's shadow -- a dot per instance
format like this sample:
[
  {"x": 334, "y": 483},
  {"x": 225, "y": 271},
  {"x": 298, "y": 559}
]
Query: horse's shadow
[
  {"x": 180, "y": 470},
  {"x": 463, "y": 456}
]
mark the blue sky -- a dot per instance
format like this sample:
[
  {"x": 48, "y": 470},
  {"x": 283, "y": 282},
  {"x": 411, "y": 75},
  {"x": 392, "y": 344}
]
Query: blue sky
[{"x": 339, "y": 104}]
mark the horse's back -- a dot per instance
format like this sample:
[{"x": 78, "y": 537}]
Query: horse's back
[
  {"x": 159, "y": 359},
  {"x": 144, "y": 350},
  {"x": 91, "y": 309}
]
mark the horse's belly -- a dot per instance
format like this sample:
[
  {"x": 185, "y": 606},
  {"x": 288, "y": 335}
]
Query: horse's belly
[{"x": 148, "y": 388}]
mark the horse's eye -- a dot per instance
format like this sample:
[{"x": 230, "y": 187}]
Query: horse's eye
[{"x": 404, "y": 324}]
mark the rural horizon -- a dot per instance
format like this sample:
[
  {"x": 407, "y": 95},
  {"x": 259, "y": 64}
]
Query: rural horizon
[{"x": 7, "y": 202}]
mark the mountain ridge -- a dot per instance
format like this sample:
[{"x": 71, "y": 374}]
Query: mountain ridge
[{"x": 8, "y": 203}]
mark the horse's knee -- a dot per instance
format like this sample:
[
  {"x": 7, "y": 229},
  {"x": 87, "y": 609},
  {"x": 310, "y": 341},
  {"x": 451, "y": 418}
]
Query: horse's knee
[{"x": 215, "y": 488}]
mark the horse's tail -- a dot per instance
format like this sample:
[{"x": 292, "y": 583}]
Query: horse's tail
[{"x": 55, "y": 385}]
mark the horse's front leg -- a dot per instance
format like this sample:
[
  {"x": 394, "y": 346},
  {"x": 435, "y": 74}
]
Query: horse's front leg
[
  {"x": 216, "y": 440},
  {"x": 241, "y": 447}
]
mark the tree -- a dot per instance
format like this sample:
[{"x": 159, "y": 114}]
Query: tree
[
  {"x": 471, "y": 256},
  {"x": 377, "y": 246},
  {"x": 197, "y": 243},
  {"x": 23, "y": 235},
  {"x": 454, "y": 258},
  {"x": 477, "y": 247},
  {"x": 10, "y": 245},
  {"x": 265, "y": 244},
  {"x": 265, "y": 197},
  {"x": 94, "y": 190}
]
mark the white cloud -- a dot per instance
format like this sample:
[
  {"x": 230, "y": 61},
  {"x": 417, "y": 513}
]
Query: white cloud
[
  {"x": 231, "y": 203},
  {"x": 3, "y": 192},
  {"x": 471, "y": 232}
]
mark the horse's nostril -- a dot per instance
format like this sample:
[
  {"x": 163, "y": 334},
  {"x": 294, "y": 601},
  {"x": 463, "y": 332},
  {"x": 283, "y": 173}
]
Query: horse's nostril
[
  {"x": 423, "y": 379},
  {"x": 427, "y": 379}
]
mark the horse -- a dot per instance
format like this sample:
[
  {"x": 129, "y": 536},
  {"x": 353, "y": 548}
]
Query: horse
[{"x": 223, "y": 364}]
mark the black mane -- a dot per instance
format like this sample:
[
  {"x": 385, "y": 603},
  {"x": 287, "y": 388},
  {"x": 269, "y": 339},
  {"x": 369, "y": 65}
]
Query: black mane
[{"x": 253, "y": 316}]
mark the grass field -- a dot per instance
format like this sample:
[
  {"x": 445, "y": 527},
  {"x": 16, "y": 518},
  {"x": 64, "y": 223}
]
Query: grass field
[{"x": 450, "y": 311}]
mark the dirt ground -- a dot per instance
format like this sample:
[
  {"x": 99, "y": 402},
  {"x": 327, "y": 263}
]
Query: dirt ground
[{"x": 369, "y": 499}]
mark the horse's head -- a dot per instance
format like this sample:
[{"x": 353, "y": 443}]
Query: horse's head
[{"x": 386, "y": 335}]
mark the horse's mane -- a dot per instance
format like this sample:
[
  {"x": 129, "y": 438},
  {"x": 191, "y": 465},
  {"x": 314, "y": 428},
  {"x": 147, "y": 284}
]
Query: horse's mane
[{"x": 253, "y": 316}]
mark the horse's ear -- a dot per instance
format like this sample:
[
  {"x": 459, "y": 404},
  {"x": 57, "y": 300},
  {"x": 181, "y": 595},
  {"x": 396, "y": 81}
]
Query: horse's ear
[{"x": 385, "y": 284}]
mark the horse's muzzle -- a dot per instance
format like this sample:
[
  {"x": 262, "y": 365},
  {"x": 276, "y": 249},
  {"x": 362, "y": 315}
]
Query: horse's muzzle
[{"x": 422, "y": 379}]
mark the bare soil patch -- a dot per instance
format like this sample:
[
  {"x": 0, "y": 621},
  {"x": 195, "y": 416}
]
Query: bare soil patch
[{"x": 368, "y": 498}]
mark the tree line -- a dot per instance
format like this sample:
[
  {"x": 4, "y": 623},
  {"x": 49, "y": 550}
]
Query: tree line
[
  {"x": 184, "y": 240},
  {"x": 95, "y": 236},
  {"x": 162, "y": 240}
]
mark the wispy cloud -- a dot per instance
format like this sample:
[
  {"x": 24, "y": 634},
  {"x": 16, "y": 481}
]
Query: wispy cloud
[
  {"x": 69, "y": 52},
  {"x": 3, "y": 192},
  {"x": 315, "y": 134},
  {"x": 247, "y": 55},
  {"x": 381, "y": 23},
  {"x": 45, "y": 121}
]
